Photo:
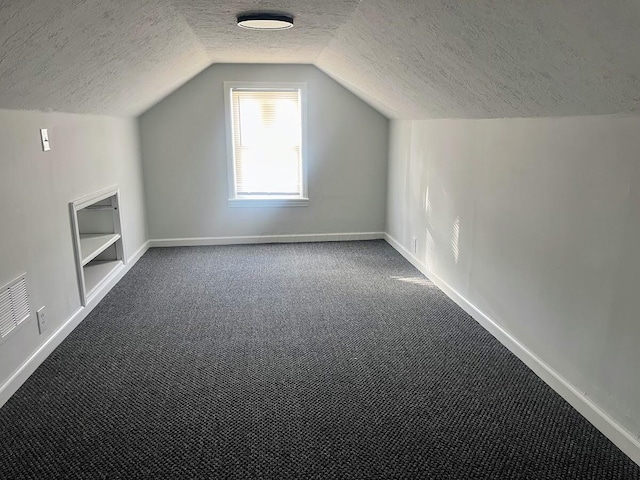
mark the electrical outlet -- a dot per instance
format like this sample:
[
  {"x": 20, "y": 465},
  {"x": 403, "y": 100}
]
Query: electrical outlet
[
  {"x": 42, "y": 320},
  {"x": 415, "y": 245}
]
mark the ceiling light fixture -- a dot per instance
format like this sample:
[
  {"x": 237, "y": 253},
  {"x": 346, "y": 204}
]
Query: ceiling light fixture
[{"x": 265, "y": 21}]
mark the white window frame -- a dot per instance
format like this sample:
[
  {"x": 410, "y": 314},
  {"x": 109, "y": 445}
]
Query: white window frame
[{"x": 266, "y": 201}]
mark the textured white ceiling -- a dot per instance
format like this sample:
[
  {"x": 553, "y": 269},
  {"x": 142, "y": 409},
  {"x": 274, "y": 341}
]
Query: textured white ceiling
[
  {"x": 93, "y": 56},
  {"x": 408, "y": 58},
  {"x": 485, "y": 59},
  {"x": 316, "y": 22}
]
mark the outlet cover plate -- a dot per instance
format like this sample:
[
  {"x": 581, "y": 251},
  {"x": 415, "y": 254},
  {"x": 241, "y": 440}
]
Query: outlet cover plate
[{"x": 42, "y": 320}]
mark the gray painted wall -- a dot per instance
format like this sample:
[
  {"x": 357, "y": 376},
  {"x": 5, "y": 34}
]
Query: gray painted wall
[
  {"x": 185, "y": 161},
  {"x": 88, "y": 153},
  {"x": 535, "y": 222}
]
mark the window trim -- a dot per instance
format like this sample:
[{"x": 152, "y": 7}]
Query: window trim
[{"x": 267, "y": 200}]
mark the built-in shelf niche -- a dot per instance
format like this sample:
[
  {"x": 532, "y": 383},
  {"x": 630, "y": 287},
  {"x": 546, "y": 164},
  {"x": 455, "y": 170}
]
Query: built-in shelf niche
[{"x": 99, "y": 246}]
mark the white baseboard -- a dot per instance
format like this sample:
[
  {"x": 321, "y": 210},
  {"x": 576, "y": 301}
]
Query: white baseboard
[
  {"x": 615, "y": 432},
  {"x": 35, "y": 360},
  {"x": 312, "y": 237}
]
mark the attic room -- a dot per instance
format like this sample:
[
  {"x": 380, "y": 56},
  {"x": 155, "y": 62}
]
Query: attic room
[{"x": 341, "y": 239}]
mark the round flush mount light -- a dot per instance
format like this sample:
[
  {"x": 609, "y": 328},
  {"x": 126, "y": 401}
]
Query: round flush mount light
[{"x": 265, "y": 21}]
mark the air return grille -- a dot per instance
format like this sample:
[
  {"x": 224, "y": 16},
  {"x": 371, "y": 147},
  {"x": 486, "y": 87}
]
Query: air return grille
[{"x": 14, "y": 306}]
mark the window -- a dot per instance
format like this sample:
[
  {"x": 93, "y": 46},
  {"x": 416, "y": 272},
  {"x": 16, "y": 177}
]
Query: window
[{"x": 266, "y": 144}]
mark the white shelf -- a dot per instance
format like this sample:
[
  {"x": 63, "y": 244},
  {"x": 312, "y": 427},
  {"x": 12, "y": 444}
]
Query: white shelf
[
  {"x": 99, "y": 255},
  {"x": 92, "y": 245},
  {"x": 96, "y": 272}
]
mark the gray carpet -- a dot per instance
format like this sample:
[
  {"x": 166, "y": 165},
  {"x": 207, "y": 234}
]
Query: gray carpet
[{"x": 314, "y": 361}]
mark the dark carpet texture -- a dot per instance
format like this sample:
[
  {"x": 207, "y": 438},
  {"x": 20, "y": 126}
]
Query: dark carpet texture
[{"x": 294, "y": 361}]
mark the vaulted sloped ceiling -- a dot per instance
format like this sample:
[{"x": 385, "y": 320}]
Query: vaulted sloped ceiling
[
  {"x": 408, "y": 58},
  {"x": 316, "y": 23},
  {"x": 93, "y": 56},
  {"x": 486, "y": 59}
]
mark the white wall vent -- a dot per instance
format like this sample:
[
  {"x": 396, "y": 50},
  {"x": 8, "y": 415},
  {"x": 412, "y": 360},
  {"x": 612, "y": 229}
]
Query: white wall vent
[{"x": 14, "y": 306}]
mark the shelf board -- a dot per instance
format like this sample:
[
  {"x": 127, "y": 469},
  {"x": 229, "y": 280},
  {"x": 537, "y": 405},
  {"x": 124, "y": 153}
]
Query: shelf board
[
  {"x": 99, "y": 207},
  {"x": 92, "y": 245},
  {"x": 96, "y": 272}
]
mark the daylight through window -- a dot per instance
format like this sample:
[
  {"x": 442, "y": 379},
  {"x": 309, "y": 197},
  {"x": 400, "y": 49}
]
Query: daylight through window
[{"x": 267, "y": 143}]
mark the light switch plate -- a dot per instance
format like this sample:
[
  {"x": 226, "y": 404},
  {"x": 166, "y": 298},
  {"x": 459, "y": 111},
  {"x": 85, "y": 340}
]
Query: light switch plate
[{"x": 44, "y": 136}]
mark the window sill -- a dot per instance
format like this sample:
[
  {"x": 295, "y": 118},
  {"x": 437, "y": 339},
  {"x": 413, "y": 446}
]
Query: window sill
[{"x": 268, "y": 202}]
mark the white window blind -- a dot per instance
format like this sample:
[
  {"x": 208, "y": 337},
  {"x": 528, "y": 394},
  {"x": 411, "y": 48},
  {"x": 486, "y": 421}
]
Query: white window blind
[{"x": 267, "y": 142}]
